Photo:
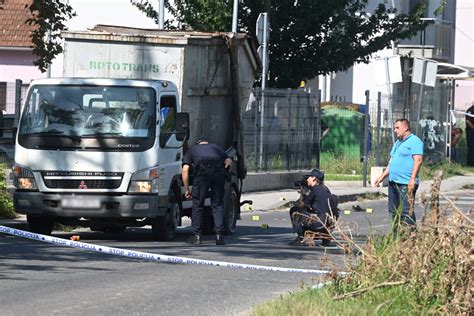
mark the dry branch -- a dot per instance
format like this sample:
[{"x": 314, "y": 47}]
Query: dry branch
[{"x": 370, "y": 288}]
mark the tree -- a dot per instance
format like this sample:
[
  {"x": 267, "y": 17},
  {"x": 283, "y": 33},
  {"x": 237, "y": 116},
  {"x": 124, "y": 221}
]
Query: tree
[
  {"x": 308, "y": 37},
  {"x": 48, "y": 17},
  {"x": 202, "y": 15}
]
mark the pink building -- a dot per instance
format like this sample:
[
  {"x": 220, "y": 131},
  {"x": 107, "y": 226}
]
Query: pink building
[{"x": 16, "y": 56}]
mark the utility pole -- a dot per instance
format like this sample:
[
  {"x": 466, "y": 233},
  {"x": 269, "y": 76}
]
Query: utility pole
[
  {"x": 235, "y": 12},
  {"x": 161, "y": 15}
]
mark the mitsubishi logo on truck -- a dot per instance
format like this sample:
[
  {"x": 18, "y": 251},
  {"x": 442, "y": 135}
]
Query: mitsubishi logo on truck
[{"x": 82, "y": 185}]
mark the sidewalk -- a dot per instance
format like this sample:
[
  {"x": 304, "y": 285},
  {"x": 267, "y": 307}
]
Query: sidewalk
[{"x": 346, "y": 190}]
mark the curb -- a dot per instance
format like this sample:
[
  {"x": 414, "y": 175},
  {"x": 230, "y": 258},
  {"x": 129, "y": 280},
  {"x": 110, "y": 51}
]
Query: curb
[{"x": 15, "y": 223}]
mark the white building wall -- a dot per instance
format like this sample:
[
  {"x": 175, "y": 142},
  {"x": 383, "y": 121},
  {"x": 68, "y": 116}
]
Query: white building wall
[
  {"x": 464, "y": 51},
  {"x": 342, "y": 86},
  {"x": 360, "y": 77}
]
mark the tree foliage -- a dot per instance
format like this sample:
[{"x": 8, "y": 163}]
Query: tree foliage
[
  {"x": 308, "y": 37},
  {"x": 202, "y": 15},
  {"x": 48, "y": 17}
]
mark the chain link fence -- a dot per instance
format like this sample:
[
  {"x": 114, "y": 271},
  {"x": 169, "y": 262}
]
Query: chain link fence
[
  {"x": 347, "y": 138},
  {"x": 296, "y": 132},
  {"x": 8, "y": 95},
  {"x": 281, "y": 130}
]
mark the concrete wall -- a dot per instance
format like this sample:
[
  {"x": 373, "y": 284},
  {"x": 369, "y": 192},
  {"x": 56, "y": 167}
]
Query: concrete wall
[
  {"x": 272, "y": 181},
  {"x": 285, "y": 180}
]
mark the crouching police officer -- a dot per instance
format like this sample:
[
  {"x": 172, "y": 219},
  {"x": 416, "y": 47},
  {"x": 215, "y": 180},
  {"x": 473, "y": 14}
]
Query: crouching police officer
[
  {"x": 316, "y": 210},
  {"x": 209, "y": 163}
]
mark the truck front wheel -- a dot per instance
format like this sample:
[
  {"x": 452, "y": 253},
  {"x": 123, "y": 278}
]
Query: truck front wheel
[
  {"x": 164, "y": 227},
  {"x": 231, "y": 210},
  {"x": 40, "y": 225}
]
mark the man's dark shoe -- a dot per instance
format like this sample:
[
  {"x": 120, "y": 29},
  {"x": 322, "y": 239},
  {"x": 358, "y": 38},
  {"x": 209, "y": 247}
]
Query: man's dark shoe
[
  {"x": 299, "y": 241},
  {"x": 357, "y": 208},
  {"x": 194, "y": 239},
  {"x": 220, "y": 240}
]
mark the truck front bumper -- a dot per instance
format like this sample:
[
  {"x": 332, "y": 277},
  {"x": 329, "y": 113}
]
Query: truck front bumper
[{"x": 96, "y": 205}]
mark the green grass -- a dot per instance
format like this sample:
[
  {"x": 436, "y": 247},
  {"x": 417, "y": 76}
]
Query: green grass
[
  {"x": 449, "y": 170},
  {"x": 343, "y": 177},
  {"x": 395, "y": 300}
]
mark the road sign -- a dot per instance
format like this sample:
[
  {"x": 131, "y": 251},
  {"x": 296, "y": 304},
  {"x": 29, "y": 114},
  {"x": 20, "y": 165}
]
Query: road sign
[
  {"x": 388, "y": 70},
  {"x": 261, "y": 28},
  {"x": 424, "y": 71}
]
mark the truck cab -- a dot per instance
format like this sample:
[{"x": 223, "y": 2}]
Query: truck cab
[{"x": 102, "y": 153}]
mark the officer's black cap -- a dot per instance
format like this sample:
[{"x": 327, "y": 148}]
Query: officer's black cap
[
  {"x": 201, "y": 139},
  {"x": 316, "y": 173}
]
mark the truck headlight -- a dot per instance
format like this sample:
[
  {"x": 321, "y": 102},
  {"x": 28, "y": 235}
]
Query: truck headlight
[
  {"x": 144, "y": 181},
  {"x": 24, "y": 179}
]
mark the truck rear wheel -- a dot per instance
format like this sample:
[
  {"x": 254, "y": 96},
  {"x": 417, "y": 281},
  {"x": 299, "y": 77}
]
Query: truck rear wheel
[
  {"x": 231, "y": 211},
  {"x": 164, "y": 227},
  {"x": 40, "y": 225}
]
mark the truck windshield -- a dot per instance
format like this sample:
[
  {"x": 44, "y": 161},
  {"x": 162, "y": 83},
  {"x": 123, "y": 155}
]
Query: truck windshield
[{"x": 89, "y": 112}]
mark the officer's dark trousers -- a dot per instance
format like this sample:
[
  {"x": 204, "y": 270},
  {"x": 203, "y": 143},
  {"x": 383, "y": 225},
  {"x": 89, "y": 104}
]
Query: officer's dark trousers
[
  {"x": 302, "y": 221},
  {"x": 201, "y": 186}
]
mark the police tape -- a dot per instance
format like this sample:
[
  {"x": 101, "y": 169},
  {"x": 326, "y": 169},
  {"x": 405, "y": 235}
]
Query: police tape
[{"x": 149, "y": 256}]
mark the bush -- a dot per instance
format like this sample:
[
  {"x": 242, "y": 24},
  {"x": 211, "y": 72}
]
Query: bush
[{"x": 6, "y": 202}]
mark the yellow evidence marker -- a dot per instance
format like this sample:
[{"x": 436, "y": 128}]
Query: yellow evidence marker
[
  {"x": 248, "y": 208},
  {"x": 255, "y": 218},
  {"x": 264, "y": 226},
  {"x": 369, "y": 210},
  {"x": 347, "y": 212}
]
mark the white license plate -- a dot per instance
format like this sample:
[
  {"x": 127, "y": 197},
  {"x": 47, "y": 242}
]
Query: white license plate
[{"x": 80, "y": 203}]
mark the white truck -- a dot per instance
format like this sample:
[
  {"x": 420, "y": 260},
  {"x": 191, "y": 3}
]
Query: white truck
[{"x": 102, "y": 146}]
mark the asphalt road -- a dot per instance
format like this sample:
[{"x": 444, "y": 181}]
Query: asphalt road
[{"x": 44, "y": 279}]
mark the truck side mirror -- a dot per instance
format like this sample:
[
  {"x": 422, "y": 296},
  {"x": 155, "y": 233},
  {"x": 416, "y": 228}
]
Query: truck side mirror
[{"x": 181, "y": 126}]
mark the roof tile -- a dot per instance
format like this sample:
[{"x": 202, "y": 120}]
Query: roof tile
[{"x": 14, "y": 32}]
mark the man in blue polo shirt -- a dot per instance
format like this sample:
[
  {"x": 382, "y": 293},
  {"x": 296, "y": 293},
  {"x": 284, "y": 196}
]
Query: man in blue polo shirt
[{"x": 406, "y": 157}]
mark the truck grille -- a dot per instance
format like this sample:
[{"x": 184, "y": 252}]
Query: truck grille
[{"x": 82, "y": 181}]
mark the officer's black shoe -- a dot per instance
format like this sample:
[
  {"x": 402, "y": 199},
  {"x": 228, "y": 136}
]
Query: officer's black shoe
[
  {"x": 194, "y": 239},
  {"x": 325, "y": 242},
  {"x": 299, "y": 241},
  {"x": 220, "y": 240}
]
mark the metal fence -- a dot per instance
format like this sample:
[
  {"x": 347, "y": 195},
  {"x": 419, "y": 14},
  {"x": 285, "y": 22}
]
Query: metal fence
[
  {"x": 281, "y": 130},
  {"x": 461, "y": 147},
  {"x": 348, "y": 138},
  {"x": 9, "y": 93}
]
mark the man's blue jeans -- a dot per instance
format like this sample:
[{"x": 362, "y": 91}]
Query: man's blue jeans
[{"x": 398, "y": 195}]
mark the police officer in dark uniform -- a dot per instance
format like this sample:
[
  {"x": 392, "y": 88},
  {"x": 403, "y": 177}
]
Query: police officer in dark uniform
[
  {"x": 209, "y": 163},
  {"x": 316, "y": 211}
]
